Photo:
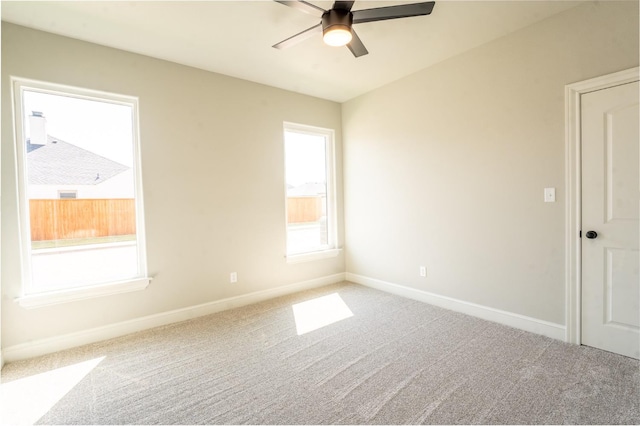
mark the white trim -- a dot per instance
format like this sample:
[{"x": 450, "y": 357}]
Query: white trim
[
  {"x": 573, "y": 183},
  {"x": 24, "y": 230},
  {"x": 71, "y": 295},
  {"x": 522, "y": 322},
  {"x": 315, "y": 255},
  {"x": 58, "y": 343}
]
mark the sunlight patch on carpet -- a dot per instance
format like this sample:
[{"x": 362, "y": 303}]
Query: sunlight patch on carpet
[
  {"x": 26, "y": 400},
  {"x": 320, "y": 312}
]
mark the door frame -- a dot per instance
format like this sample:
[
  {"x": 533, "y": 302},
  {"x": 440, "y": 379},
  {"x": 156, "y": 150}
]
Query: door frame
[{"x": 573, "y": 202}]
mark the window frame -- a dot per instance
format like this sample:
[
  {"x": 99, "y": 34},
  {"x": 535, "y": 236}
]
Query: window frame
[
  {"x": 28, "y": 298},
  {"x": 331, "y": 249}
]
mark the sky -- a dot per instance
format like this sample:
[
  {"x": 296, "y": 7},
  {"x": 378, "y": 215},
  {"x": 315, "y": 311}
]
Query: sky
[
  {"x": 305, "y": 158},
  {"x": 100, "y": 127}
]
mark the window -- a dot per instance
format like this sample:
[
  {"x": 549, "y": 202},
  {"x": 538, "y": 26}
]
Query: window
[
  {"x": 310, "y": 192},
  {"x": 67, "y": 194},
  {"x": 87, "y": 241}
]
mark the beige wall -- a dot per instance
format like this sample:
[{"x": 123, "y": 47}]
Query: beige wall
[
  {"x": 212, "y": 164},
  {"x": 446, "y": 168}
]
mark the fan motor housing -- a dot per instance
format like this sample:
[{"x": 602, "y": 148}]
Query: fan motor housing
[{"x": 336, "y": 18}]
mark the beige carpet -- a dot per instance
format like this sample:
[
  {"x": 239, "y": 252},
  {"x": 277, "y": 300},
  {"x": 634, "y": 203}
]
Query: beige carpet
[{"x": 388, "y": 360}]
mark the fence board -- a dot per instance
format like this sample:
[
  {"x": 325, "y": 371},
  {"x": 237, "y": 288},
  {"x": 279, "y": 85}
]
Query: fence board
[
  {"x": 304, "y": 209},
  {"x": 81, "y": 218}
]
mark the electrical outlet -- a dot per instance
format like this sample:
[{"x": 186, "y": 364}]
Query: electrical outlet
[
  {"x": 423, "y": 271},
  {"x": 549, "y": 195},
  {"x": 233, "y": 277}
]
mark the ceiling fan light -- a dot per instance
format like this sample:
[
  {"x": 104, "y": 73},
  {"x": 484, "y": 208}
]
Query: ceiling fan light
[{"x": 337, "y": 35}]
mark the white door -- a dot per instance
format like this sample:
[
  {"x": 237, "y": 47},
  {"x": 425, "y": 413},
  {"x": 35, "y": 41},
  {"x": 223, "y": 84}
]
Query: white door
[{"x": 610, "y": 205}]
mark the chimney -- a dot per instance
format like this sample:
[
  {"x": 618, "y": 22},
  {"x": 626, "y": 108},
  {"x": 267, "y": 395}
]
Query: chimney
[{"x": 38, "y": 128}]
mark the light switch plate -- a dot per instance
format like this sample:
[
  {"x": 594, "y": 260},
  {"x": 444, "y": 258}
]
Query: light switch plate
[{"x": 549, "y": 195}]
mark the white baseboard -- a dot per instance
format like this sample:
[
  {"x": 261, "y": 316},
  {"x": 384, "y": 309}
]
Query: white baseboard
[
  {"x": 58, "y": 343},
  {"x": 522, "y": 322}
]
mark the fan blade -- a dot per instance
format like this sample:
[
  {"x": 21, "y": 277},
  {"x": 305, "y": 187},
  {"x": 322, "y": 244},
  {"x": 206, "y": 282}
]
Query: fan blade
[
  {"x": 392, "y": 12},
  {"x": 303, "y": 6},
  {"x": 355, "y": 46},
  {"x": 343, "y": 5},
  {"x": 309, "y": 32}
]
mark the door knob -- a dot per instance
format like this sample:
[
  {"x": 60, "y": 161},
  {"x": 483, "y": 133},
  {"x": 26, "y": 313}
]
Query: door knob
[{"x": 591, "y": 235}]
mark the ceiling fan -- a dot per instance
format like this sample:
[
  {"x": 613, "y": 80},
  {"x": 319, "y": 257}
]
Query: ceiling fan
[{"x": 337, "y": 22}]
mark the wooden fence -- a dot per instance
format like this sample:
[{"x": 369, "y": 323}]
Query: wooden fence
[
  {"x": 80, "y": 218},
  {"x": 304, "y": 209},
  {"x": 88, "y": 218}
]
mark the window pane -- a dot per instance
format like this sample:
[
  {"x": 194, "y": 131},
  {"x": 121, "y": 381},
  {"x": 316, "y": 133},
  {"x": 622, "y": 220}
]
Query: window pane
[
  {"x": 80, "y": 190},
  {"x": 306, "y": 179}
]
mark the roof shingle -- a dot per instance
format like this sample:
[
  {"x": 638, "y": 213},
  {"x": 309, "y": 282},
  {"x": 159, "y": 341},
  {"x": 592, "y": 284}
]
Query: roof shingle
[{"x": 62, "y": 163}]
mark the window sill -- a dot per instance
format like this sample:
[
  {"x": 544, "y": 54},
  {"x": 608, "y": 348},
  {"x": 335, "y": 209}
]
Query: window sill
[
  {"x": 71, "y": 295},
  {"x": 316, "y": 255}
]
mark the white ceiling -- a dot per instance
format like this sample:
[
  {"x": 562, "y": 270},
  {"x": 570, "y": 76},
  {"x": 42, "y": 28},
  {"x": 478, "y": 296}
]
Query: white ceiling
[{"x": 235, "y": 37}]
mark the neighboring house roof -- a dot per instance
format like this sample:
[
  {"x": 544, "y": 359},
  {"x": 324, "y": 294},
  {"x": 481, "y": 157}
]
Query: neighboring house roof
[
  {"x": 62, "y": 163},
  {"x": 307, "y": 190}
]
